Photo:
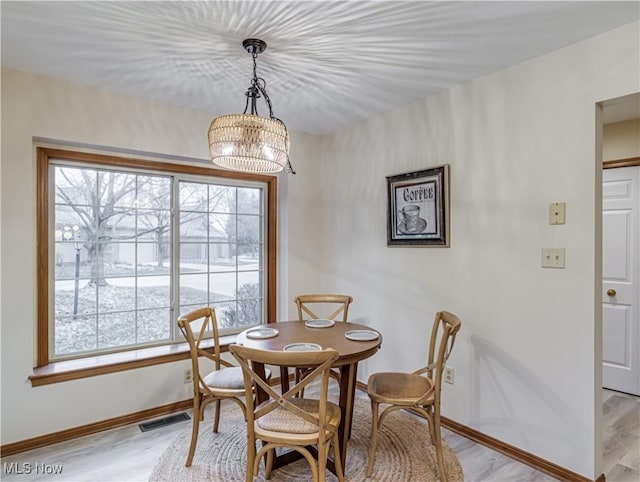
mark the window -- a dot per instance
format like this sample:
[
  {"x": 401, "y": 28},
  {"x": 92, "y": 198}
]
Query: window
[{"x": 132, "y": 244}]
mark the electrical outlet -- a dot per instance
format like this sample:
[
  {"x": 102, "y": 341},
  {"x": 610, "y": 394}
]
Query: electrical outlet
[
  {"x": 448, "y": 375},
  {"x": 188, "y": 375}
]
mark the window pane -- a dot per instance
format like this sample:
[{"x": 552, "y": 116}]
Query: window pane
[
  {"x": 68, "y": 257},
  {"x": 249, "y": 256},
  {"x": 249, "y": 200},
  {"x": 222, "y": 199},
  {"x": 68, "y": 301},
  {"x": 153, "y": 259},
  {"x": 221, "y": 257},
  {"x": 193, "y": 257},
  {"x": 222, "y": 286},
  {"x": 75, "y": 334},
  {"x": 249, "y": 299},
  {"x": 193, "y": 197},
  {"x": 246, "y": 279},
  {"x": 222, "y": 227},
  {"x": 248, "y": 229},
  {"x": 70, "y": 225},
  {"x": 193, "y": 227},
  {"x": 153, "y": 224},
  {"x": 75, "y": 185},
  {"x": 153, "y": 292},
  {"x": 153, "y": 192},
  {"x": 116, "y": 189},
  {"x": 193, "y": 289},
  {"x": 116, "y": 294},
  {"x": 226, "y": 314},
  {"x": 116, "y": 329},
  {"x": 250, "y": 312},
  {"x": 115, "y": 259},
  {"x": 154, "y": 325}
]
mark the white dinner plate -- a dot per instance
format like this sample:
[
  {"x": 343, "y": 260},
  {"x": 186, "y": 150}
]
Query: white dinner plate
[
  {"x": 320, "y": 323},
  {"x": 361, "y": 335},
  {"x": 262, "y": 333},
  {"x": 302, "y": 347}
]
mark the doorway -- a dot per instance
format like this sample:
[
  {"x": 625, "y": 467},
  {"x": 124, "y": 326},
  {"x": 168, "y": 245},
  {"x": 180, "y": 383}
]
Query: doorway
[{"x": 620, "y": 287}]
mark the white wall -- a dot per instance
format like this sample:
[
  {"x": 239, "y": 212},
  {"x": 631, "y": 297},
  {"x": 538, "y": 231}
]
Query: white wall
[
  {"x": 35, "y": 106},
  {"x": 526, "y": 361}
]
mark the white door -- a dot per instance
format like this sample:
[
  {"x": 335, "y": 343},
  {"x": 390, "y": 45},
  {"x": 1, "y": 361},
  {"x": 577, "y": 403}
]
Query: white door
[{"x": 620, "y": 285}]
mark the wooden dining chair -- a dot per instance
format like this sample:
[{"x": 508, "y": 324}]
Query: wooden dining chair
[
  {"x": 322, "y": 306},
  {"x": 223, "y": 382},
  {"x": 327, "y": 306},
  {"x": 285, "y": 420},
  {"x": 418, "y": 391}
]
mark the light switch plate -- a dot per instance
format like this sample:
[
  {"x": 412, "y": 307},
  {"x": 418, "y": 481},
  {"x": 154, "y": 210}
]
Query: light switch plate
[
  {"x": 557, "y": 213},
  {"x": 553, "y": 258}
]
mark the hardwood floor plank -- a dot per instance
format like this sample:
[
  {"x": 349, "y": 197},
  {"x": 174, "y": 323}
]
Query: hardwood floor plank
[{"x": 621, "y": 436}]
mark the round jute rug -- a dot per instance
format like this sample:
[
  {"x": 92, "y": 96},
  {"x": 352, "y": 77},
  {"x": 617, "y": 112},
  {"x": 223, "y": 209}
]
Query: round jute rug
[{"x": 404, "y": 454}]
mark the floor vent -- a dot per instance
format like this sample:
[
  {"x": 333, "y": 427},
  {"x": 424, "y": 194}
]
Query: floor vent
[{"x": 163, "y": 422}]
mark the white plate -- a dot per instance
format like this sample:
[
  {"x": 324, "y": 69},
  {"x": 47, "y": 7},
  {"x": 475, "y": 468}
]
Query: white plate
[
  {"x": 302, "y": 347},
  {"x": 262, "y": 333},
  {"x": 361, "y": 335},
  {"x": 321, "y": 323}
]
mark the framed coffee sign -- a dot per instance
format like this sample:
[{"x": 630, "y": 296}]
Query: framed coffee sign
[{"x": 418, "y": 208}]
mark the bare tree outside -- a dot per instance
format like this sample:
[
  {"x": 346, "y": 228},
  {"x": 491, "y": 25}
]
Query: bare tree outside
[
  {"x": 154, "y": 216},
  {"x": 96, "y": 198},
  {"x": 114, "y": 238}
]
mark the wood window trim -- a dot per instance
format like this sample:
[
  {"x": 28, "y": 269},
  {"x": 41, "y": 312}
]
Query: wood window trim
[
  {"x": 51, "y": 372},
  {"x": 91, "y": 366}
]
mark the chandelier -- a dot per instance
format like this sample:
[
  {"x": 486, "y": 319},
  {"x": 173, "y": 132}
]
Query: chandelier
[{"x": 248, "y": 141}]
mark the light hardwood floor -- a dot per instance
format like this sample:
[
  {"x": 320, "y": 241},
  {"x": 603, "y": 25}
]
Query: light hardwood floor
[
  {"x": 621, "y": 436},
  {"x": 127, "y": 454}
]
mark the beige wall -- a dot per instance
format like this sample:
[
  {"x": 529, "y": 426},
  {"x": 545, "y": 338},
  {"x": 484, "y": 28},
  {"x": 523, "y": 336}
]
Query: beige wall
[
  {"x": 621, "y": 140},
  {"x": 526, "y": 362},
  {"x": 35, "y": 106}
]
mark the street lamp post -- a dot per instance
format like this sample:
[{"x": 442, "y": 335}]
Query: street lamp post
[{"x": 70, "y": 233}]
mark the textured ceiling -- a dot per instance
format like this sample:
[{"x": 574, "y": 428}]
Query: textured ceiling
[{"x": 328, "y": 64}]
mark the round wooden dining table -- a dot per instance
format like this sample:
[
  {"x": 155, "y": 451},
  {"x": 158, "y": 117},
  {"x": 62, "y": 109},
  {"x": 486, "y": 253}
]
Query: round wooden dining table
[{"x": 350, "y": 353}]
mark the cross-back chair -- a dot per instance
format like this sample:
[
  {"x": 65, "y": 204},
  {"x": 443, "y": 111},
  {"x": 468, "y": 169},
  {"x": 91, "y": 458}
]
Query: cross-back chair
[
  {"x": 286, "y": 420},
  {"x": 308, "y": 303},
  {"x": 222, "y": 381},
  {"x": 322, "y": 306},
  {"x": 418, "y": 391}
]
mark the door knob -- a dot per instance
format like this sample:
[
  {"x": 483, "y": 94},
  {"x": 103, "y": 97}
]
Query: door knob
[{"x": 611, "y": 292}]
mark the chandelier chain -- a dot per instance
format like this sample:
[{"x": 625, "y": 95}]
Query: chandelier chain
[{"x": 261, "y": 85}]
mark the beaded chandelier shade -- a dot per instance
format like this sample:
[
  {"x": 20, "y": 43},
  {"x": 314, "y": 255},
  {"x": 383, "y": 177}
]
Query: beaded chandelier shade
[{"x": 249, "y": 142}]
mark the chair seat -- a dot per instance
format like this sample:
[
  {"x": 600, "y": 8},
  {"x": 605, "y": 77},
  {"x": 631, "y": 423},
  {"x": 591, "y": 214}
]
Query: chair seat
[
  {"x": 282, "y": 420},
  {"x": 229, "y": 378},
  {"x": 398, "y": 388}
]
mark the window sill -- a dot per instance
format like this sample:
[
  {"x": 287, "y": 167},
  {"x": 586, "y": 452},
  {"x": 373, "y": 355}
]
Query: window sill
[{"x": 64, "y": 371}]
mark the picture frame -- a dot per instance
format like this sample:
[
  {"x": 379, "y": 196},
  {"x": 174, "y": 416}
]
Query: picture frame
[{"x": 418, "y": 208}]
